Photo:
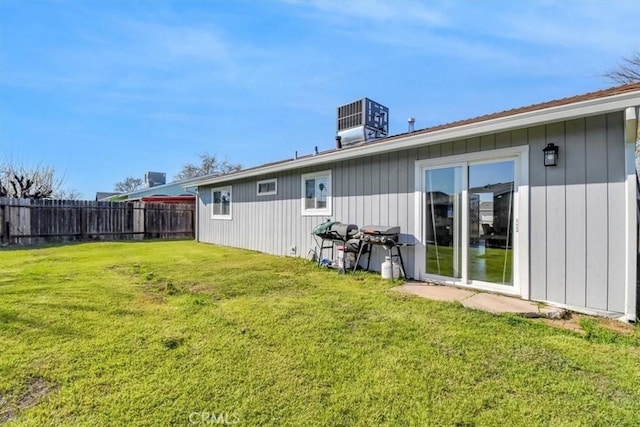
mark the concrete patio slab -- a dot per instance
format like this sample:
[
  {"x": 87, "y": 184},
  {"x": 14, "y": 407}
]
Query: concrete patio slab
[
  {"x": 435, "y": 292},
  {"x": 484, "y": 301},
  {"x": 502, "y": 304}
]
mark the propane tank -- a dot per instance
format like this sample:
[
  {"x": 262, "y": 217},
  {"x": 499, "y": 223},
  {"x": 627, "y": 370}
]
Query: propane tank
[{"x": 390, "y": 270}]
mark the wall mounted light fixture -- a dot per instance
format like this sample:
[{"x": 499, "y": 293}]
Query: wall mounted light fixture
[{"x": 551, "y": 154}]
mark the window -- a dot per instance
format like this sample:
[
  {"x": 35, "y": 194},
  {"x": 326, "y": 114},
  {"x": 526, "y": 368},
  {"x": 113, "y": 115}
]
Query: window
[
  {"x": 316, "y": 193},
  {"x": 221, "y": 203},
  {"x": 267, "y": 187}
]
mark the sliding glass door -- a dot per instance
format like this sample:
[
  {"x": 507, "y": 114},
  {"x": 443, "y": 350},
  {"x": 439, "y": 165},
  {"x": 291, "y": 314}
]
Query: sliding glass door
[
  {"x": 491, "y": 222},
  {"x": 443, "y": 222},
  {"x": 468, "y": 222}
]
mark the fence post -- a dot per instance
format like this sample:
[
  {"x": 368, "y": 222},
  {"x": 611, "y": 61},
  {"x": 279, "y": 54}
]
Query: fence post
[
  {"x": 193, "y": 222},
  {"x": 143, "y": 222},
  {"x": 5, "y": 224},
  {"x": 84, "y": 221}
]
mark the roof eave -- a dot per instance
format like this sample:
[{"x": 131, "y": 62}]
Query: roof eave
[{"x": 407, "y": 141}]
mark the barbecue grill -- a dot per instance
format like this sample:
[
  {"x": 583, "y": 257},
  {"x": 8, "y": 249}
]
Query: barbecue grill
[
  {"x": 380, "y": 235},
  {"x": 331, "y": 232}
]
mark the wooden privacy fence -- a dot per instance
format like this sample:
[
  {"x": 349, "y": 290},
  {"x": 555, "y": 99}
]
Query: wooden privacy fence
[{"x": 26, "y": 222}]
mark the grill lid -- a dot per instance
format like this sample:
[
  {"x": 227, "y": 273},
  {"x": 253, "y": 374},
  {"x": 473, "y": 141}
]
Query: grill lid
[
  {"x": 335, "y": 230},
  {"x": 380, "y": 230},
  {"x": 324, "y": 227},
  {"x": 344, "y": 230}
]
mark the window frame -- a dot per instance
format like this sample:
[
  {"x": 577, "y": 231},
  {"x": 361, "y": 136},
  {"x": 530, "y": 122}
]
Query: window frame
[
  {"x": 267, "y": 193},
  {"x": 326, "y": 211},
  {"x": 228, "y": 188}
]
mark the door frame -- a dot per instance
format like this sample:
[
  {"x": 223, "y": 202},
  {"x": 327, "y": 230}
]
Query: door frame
[{"x": 520, "y": 156}]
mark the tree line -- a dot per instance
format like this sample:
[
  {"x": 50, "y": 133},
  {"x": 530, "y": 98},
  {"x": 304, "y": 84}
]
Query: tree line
[{"x": 20, "y": 181}]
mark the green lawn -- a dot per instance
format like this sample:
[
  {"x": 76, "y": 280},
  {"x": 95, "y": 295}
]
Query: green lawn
[{"x": 157, "y": 333}]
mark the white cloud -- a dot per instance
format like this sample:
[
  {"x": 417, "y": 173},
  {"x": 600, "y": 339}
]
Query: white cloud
[
  {"x": 380, "y": 11},
  {"x": 163, "y": 42},
  {"x": 603, "y": 26},
  {"x": 534, "y": 38},
  {"x": 114, "y": 54}
]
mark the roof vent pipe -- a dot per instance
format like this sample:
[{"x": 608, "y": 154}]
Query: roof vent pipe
[
  {"x": 315, "y": 150},
  {"x": 338, "y": 142},
  {"x": 295, "y": 156},
  {"x": 412, "y": 124}
]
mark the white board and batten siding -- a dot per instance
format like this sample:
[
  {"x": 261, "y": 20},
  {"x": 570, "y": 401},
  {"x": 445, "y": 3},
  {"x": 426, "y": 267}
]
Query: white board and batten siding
[{"x": 577, "y": 238}]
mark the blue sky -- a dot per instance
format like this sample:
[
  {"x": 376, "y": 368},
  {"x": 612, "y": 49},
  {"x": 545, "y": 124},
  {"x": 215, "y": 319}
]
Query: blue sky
[{"x": 102, "y": 90}]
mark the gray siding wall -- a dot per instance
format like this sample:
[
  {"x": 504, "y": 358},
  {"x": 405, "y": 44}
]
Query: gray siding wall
[
  {"x": 372, "y": 190},
  {"x": 577, "y": 213},
  {"x": 576, "y": 209}
]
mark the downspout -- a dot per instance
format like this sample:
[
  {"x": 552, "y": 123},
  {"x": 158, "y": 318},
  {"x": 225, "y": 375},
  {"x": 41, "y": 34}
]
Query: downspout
[{"x": 631, "y": 139}]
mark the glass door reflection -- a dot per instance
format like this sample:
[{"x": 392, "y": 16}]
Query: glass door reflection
[
  {"x": 443, "y": 221},
  {"x": 490, "y": 250}
]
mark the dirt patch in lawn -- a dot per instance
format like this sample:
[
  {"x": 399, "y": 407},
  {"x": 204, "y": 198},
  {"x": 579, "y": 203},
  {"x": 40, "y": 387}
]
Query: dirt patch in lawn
[
  {"x": 151, "y": 298},
  {"x": 35, "y": 388},
  {"x": 619, "y": 327},
  {"x": 572, "y": 322}
]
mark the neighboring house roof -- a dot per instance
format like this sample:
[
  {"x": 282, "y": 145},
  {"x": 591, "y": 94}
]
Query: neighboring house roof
[
  {"x": 102, "y": 195},
  {"x": 496, "y": 189},
  {"x": 438, "y": 197},
  {"x": 171, "y": 189},
  {"x": 592, "y": 103},
  {"x": 170, "y": 199}
]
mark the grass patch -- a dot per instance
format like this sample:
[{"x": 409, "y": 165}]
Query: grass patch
[
  {"x": 150, "y": 333},
  {"x": 596, "y": 332}
]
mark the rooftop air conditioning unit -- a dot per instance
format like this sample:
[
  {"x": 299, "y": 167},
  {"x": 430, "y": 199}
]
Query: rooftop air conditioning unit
[
  {"x": 361, "y": 121},
  {"x": 153, "y": 179}
]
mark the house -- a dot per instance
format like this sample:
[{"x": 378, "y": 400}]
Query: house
[
  {"x": 156, "y": 190},
  {"x": 485, "y": 206}
]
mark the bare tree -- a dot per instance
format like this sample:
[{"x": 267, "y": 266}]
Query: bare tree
[
  {"x": 627, "y": 72},
  {"x": 209, "y": 165},
  {"x": 28, "y": 182},
  {"x": 128, "y": 185},
  {"x": 68, "y": 194}
]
